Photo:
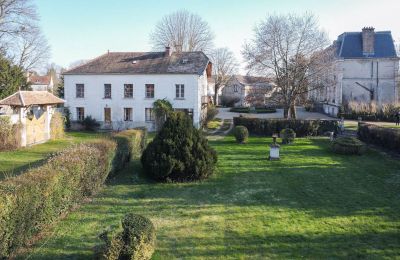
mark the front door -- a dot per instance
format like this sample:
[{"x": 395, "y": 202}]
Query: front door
[{"x": 107, "y": 115}]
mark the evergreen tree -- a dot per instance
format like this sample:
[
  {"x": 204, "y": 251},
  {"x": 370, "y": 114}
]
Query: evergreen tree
[
  {"x": 179, "y": 152},
  {"x": 12, "y": 78}
]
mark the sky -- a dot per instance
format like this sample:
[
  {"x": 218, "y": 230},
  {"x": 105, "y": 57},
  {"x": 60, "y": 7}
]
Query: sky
[{"x": 84, "y": 29}]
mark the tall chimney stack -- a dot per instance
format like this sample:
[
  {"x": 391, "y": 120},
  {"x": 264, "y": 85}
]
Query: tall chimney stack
[
  {"x": 368, "y": 40},
  {"x": 168, "y": 51}
]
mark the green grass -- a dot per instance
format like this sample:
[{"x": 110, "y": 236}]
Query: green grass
[
  {"x": 15, "y": 162},
  {"x": 311, "y": 204},
  {"x": 214, "y": 124}
]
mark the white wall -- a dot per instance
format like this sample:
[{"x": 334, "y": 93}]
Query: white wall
[{"x": 164, "y": 85}]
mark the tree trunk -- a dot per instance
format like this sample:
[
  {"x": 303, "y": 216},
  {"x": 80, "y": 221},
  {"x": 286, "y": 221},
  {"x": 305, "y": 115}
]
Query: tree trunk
[
  {"x": 292, "y": 111},
  {"x": 285, "y": 111}
]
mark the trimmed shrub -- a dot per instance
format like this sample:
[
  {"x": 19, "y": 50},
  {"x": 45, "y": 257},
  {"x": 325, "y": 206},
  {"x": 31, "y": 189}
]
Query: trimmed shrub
[
  {"x": 257, "y": 110},
  {"x": 348, "y": 145},
  {"x": 57, "y": 126},
  {"x": 241, "y": 134},
  {"x": 135, "y": 241},
  {"x": 90, "y": 124},
  {"x": 388, "y": 138},
  {"x": 287, "y": 135},
  {"x": 130, "y": 144},
  {"x": 268, "y": 127},
  {"x": 9, "y": 134},
  {"x": 33, "y": 200},
  {"x": 179, "y": 152}
]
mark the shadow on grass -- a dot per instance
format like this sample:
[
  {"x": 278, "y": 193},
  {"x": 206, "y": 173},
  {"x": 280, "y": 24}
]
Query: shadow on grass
[{"x": 312, "y": 204}]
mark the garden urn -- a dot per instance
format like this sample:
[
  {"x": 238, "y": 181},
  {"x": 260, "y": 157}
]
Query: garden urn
[{"x": 274, "y": 149}]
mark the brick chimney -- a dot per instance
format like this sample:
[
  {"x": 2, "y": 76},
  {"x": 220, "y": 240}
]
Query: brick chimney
[
  {"x": 368, "y": 40},
  {"x": 168, "y": 51}
]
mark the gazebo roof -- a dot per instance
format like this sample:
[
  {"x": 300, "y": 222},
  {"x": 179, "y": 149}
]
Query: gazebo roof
[{"x": 28, "y": 98}]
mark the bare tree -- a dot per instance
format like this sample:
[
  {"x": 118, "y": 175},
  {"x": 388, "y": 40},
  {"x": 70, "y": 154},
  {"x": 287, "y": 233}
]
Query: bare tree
[
  {"x": 182, "y": 31},
  {"x": 224, "y": 67},
  {"x": 21, "y": 39},
  {"x": 31, "y": 50},
  {"x": 288, "y": 48}
]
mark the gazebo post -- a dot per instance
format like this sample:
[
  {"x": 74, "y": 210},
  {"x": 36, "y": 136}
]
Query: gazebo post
[
  {"x": 22, "y": 121},
  {"x": 48, "y": 119}
]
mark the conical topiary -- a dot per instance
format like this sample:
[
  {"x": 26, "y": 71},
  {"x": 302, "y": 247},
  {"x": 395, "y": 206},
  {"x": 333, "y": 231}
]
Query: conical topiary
[{"x": 179, "y": 152}]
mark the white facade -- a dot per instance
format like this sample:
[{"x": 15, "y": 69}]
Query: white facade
[
  {"x": 350, "y": 75},
  {"x": 94, "y": 102}
]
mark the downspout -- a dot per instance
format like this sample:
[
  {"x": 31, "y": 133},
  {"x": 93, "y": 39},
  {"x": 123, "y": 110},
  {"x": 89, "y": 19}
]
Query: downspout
[{"x": 377, "y": 83}]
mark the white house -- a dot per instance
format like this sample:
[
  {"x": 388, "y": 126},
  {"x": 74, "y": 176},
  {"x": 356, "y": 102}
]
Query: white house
[
  {"x": 118, "y": 88},
  {"x": 247, "y": 90},
  {"x": 40, "y": 83},
  {"x": 365, "y": 69}
]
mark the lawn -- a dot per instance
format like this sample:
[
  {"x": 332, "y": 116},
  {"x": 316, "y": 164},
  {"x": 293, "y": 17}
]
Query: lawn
[
  {"x": 14, "y": 162},
  {"x": 214, "y": 124},
  {"x": 353, "y": 125},
  {"x": 311, "y": 204}
]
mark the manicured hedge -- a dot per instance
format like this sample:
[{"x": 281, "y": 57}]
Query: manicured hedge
[
  {"x": 268, "y": 127},
  {"x": 348, "y": 145},
  {"x": 388, "y": 138},
  {"x": 241, "y": 134},
  {"x": 35, "y": 199},
  {"x": 131, "y": 144},
  {"x": 258, "y": 110},
  {"x": 135, "y": 241}
]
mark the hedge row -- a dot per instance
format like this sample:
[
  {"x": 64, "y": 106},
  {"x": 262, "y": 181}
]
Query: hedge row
[
  {"x": 388, "y": 138},
  {"x": 35, "y": 199},
  {"x": 268, "y": 127},
  {"x": 131, "y": 144}
]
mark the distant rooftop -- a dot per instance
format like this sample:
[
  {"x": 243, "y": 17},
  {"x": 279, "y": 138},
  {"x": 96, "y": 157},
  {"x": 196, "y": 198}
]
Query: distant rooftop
[{"x": 144, "y": 63}]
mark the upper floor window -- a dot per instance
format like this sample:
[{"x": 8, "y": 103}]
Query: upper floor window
[
  {"x": 80, "y": 90},
  {"x": 107, "y": 90},
  {"x": 179, "y": 91},
  {"x": 128, "y": 90},
  {"x": 127, "y": 114},
  {"x": 80, "y": 113},
  {"x": 235, "y": 88},
  {"x": 149, "y": 91}
]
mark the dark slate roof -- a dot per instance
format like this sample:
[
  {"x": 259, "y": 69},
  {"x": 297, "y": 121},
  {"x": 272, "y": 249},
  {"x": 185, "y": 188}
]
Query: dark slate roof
[
  {"x": 349, "y": 45},
  {"x": 144, "y": 63}
]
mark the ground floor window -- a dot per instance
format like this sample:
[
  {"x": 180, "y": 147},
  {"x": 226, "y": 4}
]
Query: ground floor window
[
  {"x": 127, "y": 114},
  {"x": 149, "y": 114},
  {"x": 80, "y": 113},
  {"x": 187, "y": 111}
]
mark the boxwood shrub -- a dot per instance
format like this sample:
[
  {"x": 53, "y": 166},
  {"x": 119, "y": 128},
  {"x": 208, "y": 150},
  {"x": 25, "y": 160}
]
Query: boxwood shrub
[
  {"x": 241, "y": 134},
  {"x": 179, "y": 152},
  {"x": 135, "y": 241},
  {"x": 388, "y": 138},
  {"x": 348, "y": 145},
  {"x": 287, "y": 135},
  {"x": 268, "y": 127},
  {"x": 33, "y": 200}
]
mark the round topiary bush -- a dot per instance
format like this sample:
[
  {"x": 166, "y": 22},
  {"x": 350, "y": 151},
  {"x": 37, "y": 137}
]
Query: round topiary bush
[
  {"x": 241, "y": 134},
  {"x": 348, "y": 145},
  {"x": 287, "y": 135},
  {"x": 135, "y": 241},
  {"x": 179, "y": 152}
]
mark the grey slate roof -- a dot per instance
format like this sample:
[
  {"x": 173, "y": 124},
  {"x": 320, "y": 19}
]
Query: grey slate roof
[
  {"x": 144, "y": 63},
  {"x": 349, "y": 45}
]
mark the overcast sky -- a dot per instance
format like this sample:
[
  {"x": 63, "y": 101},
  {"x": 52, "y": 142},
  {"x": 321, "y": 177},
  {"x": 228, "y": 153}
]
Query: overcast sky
[{"x": 84, "y": 29}]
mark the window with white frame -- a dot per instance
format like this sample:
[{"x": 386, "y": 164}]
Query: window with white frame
[
  {"x": 235, "y": 88},
  {"x": 127, "y": 114},
  {"x": 80, "y": 113},
  {"x": 149, "y": 91},
  {"x": 107, "y": 90},
  {"x": 149, "y": 114},
  {"x": 128, "y": 90},
  {"x": 180, "y": 91},
  {"x": 80, "y": 90}
]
